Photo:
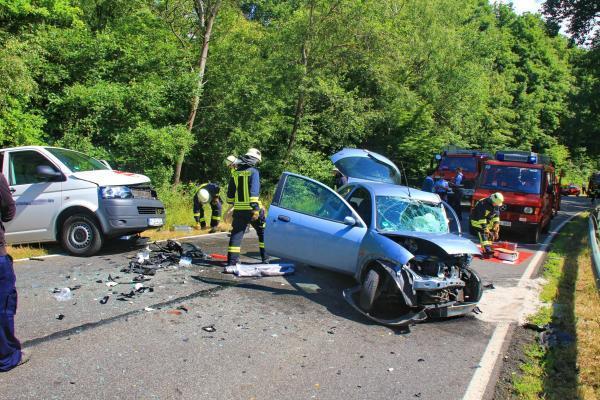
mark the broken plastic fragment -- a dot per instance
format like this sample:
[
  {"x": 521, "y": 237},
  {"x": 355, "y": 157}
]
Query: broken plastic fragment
[
  {"x": 183, "y": 261},
  {"x": 209, "y": 328},
  {"x": 64, "y": 294},
  {"x": 104, "y": 299},
  {"x": 149, "y": 309},
  {"x": 111, "y": 283},
  {"x": 59, "y": 316}
]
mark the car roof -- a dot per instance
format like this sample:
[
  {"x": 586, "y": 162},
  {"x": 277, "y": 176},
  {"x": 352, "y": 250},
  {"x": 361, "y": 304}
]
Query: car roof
[
  {"x": 386, "y": 189},
  {"x": 24, "y": 148}
]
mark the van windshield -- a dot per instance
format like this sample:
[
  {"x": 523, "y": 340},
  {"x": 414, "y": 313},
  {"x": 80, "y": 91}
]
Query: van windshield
[
  {"x": 75, "y": 161},
  {"x": 511, "y": 179}
]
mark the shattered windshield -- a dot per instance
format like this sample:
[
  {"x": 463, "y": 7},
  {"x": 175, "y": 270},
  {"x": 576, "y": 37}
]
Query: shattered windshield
[{"x": 402, "y": 214}]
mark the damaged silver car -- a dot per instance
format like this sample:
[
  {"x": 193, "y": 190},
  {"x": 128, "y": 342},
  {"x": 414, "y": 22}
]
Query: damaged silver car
[{"x": 400, "y": 244}]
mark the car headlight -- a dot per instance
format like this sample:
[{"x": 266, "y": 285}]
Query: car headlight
[
  {"x": 116, "y": 192},
  {"x": 528, "y": 210}
]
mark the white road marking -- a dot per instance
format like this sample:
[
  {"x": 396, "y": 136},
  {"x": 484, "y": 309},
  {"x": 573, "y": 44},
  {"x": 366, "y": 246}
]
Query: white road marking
[{"x": 480, "y": 380}]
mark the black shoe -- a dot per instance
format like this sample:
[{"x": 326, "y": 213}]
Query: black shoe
[
  {"x": 266, "y": 260},
  {"x": 213, "y": 230}
]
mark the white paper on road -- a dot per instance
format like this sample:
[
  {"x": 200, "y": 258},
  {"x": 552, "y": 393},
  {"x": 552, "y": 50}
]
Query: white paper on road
[{"x": 262, "y": 269}]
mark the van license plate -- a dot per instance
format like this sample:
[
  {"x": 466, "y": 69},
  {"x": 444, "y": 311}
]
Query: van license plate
[
  {"x": 155, "y": 222},
  {"x": 505, "y": 223}
]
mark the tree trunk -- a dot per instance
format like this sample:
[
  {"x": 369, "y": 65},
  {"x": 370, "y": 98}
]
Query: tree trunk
[
  {"x": 302, "y": 87},
  {"x": 201, "y": 70}
]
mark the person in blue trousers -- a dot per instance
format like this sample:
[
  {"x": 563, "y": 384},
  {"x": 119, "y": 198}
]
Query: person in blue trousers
[{"x": 11, "y": 354}]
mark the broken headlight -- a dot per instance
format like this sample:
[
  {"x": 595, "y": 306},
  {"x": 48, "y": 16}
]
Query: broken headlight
[{"x": 116, "y": 192}]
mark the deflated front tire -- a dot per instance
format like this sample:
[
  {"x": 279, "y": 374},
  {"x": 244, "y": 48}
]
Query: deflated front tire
[{"x": 368, "y": 290}]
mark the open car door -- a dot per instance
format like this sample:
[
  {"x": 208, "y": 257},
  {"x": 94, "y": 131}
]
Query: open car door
[
  {"x": 365, "y": 165},
  {"x": 310, "y": 223}
]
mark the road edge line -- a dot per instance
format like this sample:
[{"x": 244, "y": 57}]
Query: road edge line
[{"x": 478, "y": 386}]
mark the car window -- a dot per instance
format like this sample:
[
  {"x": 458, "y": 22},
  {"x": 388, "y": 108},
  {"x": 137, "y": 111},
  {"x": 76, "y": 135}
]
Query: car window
[
  {"x": 401, "y": 214},
  {"x": 360, "y": 200},
  {"x": 468, "y": 164},
  {"x": 368, "y": 168},
  {"x": 23, "y": 165},
  {"x": 344, "y": 191},
  {"x": 311, "y": 198}
]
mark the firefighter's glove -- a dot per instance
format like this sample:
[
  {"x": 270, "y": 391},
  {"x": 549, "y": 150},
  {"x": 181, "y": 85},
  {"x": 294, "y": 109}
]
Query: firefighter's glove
[{"x": 197, "y": 226}]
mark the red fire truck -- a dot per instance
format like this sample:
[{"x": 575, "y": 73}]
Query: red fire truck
[
  {"x": 530, "y": 187},
  {"x": 471, "y": 161}
]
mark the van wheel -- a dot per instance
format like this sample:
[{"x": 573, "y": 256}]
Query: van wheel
[
  {"x": 368, "y": 290},
  {"x": 81, "y": 236}
]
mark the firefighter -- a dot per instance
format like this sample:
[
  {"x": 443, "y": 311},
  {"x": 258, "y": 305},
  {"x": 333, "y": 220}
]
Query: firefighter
[
  {"x": 485, "y": 221},
  {"x": 208, "y": 193},
  {"x": 457, "y": 189},
  {"x": 242, "y": 193}
]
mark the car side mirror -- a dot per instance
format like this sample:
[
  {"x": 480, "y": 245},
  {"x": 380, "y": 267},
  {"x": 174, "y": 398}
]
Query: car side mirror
[
  {"x": 105, "y": 163},
  {"x": 46, "y": 171},
  {"x": 350, "y": 221}
]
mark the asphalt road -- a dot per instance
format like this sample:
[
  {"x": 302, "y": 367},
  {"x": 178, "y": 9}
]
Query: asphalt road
[{"x": 292, "y": 337}]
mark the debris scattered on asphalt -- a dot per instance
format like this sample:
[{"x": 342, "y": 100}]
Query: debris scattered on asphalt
[
  {"x": 489, "y": 286},
  {"x": 390, "y": 369},
  {"x": 182, "y": 308},
  {"x": 111, "y": 284},
  {"x": 99, "y": 281},
  {"x": 36, "y": 259},
  {"x": 149, "y": 309},
  {"x": 174, "y": 312},
  {"x": 104, "y": 300},
  {"x": 59, "y": 316},
  {"x": 209, "y": 328},
  {"x": 63, "y": 294},
  {"x": 477, "y": 310},
  {"x": 420, "y": 360},
  {"x": 331, "y": 330}
]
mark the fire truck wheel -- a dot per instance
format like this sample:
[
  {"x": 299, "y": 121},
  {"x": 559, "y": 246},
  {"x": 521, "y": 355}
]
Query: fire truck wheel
[{"x": 534, "y": 234}]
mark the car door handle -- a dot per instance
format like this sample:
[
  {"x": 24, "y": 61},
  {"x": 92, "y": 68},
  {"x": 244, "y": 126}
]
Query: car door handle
[{"x": 284, "y": 218}]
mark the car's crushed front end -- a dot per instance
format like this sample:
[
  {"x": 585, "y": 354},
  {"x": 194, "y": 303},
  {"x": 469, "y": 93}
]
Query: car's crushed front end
[{"x": 436, "y": 282}]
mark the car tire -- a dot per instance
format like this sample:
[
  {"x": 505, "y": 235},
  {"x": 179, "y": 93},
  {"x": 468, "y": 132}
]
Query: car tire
[
  {"x": 368, "y": 290},
  {"x": 81, "y": 236}
]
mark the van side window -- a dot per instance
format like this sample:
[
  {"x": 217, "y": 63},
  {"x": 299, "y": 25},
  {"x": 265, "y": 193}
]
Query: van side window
[{"x": 22, "y": 167}]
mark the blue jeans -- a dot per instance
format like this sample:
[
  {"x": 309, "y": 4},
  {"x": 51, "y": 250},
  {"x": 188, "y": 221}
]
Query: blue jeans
[{"x": 10, "y": 348}]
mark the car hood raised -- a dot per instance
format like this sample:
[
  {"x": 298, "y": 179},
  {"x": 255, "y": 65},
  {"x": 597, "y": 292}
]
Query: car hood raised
[
  {"x": 111, "y": 177},
  {"x": 449, "y": 242}
]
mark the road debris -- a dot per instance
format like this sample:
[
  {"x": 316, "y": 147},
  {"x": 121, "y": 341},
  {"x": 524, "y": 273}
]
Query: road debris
[
  {"x": 249, "y": 270},
  {"x": 209, "y": 328},
  {"x": 489, "y": 286},
  {"x": 59, "y": 317},
  {"x": 63, "y": 294},
  {"x": 104, "y": 300}
]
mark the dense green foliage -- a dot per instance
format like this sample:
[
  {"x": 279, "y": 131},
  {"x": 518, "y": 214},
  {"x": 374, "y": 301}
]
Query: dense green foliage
[{"x": 298, "y": 79}]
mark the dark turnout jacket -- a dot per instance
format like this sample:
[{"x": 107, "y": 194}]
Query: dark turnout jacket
[{"x": 7, "y": 210}]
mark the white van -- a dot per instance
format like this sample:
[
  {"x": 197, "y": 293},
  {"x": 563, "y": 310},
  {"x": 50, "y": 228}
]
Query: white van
[{"x": 66, "y": 196}]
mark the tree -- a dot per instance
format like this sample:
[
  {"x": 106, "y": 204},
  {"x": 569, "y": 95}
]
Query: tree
[{"x": 580, "y": 16}]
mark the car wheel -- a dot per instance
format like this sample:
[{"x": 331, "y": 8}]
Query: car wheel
[
  {"x": 368, "y": 290},
  {"x": 81, "y": 236}
]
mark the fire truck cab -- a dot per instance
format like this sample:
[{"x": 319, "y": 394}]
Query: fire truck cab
[
  {"x": 471, "y": 162},
  {"x": 530, "y": 187}
]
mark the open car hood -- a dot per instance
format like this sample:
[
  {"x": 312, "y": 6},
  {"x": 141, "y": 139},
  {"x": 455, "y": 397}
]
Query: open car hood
[
  {"x": 111, "y": 177},
  {"x": 449, "y": 242},
  {"x": 365, "y": 165}
]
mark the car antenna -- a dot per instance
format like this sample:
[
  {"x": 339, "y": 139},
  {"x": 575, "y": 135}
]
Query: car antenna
[{"x": 405, "y": 179}]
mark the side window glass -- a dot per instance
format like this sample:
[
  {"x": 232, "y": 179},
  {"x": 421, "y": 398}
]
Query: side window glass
[
  {"x": 313, "y": 199},
  {"x": 360, "y": 200},
  {"x": 344, "y": 192},
  {"x": 22, "y": 167}
]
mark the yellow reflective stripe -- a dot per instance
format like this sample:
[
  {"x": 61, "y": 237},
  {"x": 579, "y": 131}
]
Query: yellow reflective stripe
[
  {"x": 495, "y": 219},
  {"x": 196, "y": 214},
  {"x": 242, "y": 207},
  {"x": 216, "y": 218},
  {"x": 247, "y": 188},
  {"x": 230, "y": 199},
  {"x": 261, "y": 245},
  {"x": 254, "y": 199},
  {"x": 202, "y": 219},
  {"x": 478, "y": 223},
  {"x": 234, "y": 249}
]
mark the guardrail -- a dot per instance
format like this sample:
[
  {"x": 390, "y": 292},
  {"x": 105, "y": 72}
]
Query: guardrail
[{"x": 594, "y": 235}]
